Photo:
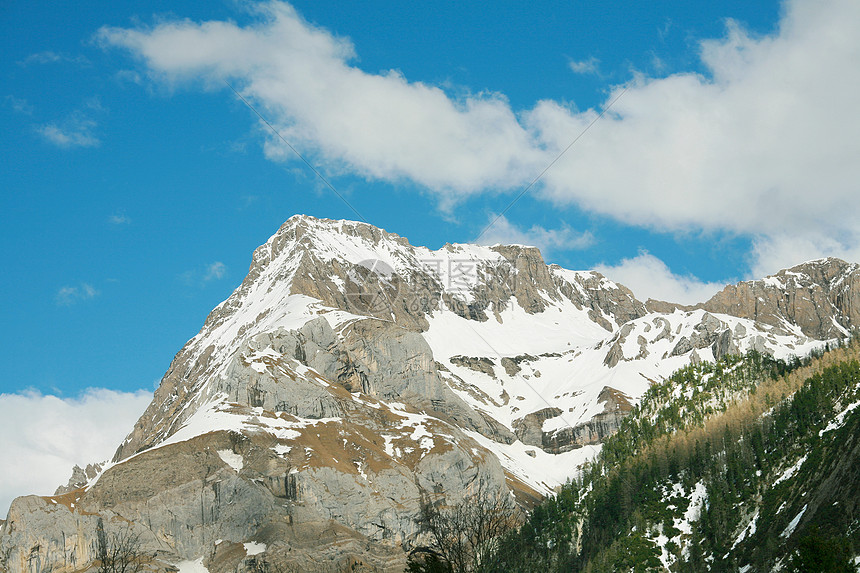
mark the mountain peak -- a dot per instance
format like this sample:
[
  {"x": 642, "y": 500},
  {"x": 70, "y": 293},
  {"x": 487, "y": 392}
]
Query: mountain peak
[
  {"x": 822, "y": 270},
  {"x": 352, "y": 376}
]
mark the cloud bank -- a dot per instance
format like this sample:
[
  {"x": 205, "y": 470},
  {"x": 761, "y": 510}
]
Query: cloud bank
[
  {"x": 764, "y": 145},
  {"x": 381, "y": 126},
  {"x": 649, "y": 277},
  {"x": 53, "y": 434}
]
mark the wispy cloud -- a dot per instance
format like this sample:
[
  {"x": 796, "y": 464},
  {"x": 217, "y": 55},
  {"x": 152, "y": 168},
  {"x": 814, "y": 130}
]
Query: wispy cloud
[
  {"x": 119, "y": 219},
  {"x": 649, "y": 277},
  {"x": 588, "y": 66},
  {"x": 215, "y": 271},
  {"x": 49, "y": 57},
  {"x": 247, "y": 201},
  {"x": 658, "y": 64},
  {"x": 664, "y": 30},
  {"x": 200, "y": 277},
  {"x": 504, "y": 232},
  {"x": 52, "y": 434},
  {"x": 238, "y": 147},
  {"x": 78, "y": 129},
  {"x": 129, "y": 76},
  {"x": 75, "y": 131},
  {"x": 18, "y": 105},
  {"x": 69, "y": 295}
]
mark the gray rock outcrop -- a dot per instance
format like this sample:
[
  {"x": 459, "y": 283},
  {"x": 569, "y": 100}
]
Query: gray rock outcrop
[
  {"x": 616, "y": 407},
  {"x": 309, "y": 418},
  {"x": 80, "y": 478},
  {"x": 821, "y": 297}
]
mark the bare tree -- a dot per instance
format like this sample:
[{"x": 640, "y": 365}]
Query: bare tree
[
  {"x": 264, "y": 565},
  {"x": 464, "y": 535},
  {"x": 119, "y": 551}
]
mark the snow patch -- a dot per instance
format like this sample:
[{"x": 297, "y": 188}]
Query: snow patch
[
  {"x": 750, "y": 530},
  {"x": 790, "y": 471},
  {"x": 389, "y": 446},
  {"x": 544, "y": 472},
  {"x": 359, "y": 465},
  {"x": 282, "y": 449},
  {"x": 839, "y": 420},
  {"x": 694, "y": 510},
  {"x": 774, "y": 282},
  {"x": 793, "y": 525},
  {"x": 232, "y": 459},
  {"x": 661, "y": 542},
  {"x": 195, "y": 566},
  {"x": 253, "y": 548}
]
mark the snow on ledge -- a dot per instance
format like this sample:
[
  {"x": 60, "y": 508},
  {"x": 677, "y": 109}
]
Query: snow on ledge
[
  {"x": 195, "y": 566},
  {"x": 232, "y": 459},
  {"x": 253, "y": 548}
]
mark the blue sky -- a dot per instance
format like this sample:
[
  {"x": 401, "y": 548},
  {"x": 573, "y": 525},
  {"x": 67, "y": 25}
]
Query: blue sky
[{"x": 136, "y": 185}]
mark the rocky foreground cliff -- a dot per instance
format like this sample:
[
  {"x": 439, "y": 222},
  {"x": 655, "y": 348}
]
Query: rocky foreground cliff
[{"x": 353, "y": 376}]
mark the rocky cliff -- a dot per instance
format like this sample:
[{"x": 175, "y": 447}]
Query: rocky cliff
[
  {"x": 353, "y": 376},
  {"x": 821, "y": 298}
]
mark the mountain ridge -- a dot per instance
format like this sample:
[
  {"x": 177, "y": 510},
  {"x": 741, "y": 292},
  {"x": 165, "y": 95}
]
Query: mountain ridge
[{"x": 352, "y": 375}]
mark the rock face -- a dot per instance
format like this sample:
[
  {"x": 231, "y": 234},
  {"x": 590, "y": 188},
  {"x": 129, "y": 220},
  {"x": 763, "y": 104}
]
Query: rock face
[
  {"x": 616, "y": 407},
  {"x": 821, "y": 298},
  {"x": 529, "y": 428},
  {"x": 80, "y": 477},
  {"x": 353, "y": 376},
  {"x": 401, "y": 287}
]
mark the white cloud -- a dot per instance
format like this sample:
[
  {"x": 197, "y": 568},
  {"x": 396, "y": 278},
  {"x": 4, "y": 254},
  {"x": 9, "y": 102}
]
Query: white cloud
[
  {"x": 765, "y": 145},
  {"x": 69, "y": 295},
  {"x": 19, "y": 105},
  {"x": 379, "y": 125},
  {"x": 76, "y": 131},
  {"x": 119, "y": 219},
  {"x": 215, "y": 271},
  {"x": 589, "y": 66},
  {"x": 49, "y": 57},
  {"x": 203, "y": 275},
  {"x": 53, "y": 434},
  {"x": 649, "y": 277},
  {"x": 502, "y": 231},
  {"x": 770, "y": 254}
]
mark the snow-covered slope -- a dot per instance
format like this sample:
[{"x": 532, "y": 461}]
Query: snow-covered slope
[
  {"x": 353, "y": 376},
  {"x": 534, "y": 349}
]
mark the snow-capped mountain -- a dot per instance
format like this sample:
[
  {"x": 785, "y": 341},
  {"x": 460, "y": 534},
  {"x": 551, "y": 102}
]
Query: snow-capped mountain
[{"x": 352, "y": 376}]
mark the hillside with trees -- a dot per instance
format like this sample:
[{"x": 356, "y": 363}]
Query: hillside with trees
[{"x": 749, "y": 464}]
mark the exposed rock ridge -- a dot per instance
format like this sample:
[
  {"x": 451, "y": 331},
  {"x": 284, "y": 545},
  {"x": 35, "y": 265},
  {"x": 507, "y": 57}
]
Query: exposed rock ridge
[
  {"x": 80, "y": 478},
  {"x": 332, "y": 393},
  {"x": 608, "y": 302},
  {"x": 820, "y": 297},
  {"x": 317, "y": 258},
  {"x": 616, "y": 407}
]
